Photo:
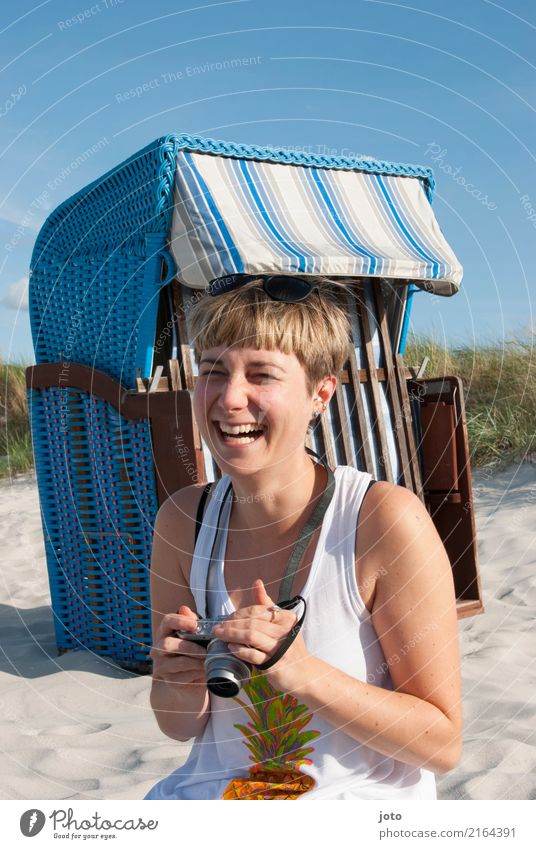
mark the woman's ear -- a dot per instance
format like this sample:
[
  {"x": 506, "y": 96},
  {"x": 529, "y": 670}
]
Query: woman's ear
[{"x": 324, "y": 392}]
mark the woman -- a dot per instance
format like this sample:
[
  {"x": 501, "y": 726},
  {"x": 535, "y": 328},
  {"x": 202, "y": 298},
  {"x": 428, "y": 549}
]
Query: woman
[{"x": 365, "y": 702}]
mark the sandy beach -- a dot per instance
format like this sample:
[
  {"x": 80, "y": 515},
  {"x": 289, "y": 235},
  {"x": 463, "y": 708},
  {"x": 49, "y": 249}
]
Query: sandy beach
[{"x": 76, "y": 726}]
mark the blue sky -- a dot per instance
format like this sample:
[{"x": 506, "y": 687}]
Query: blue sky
[{"x": 451, "y": 86}]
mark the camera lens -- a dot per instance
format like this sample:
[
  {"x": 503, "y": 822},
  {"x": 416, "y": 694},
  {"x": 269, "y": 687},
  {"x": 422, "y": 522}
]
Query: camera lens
[{"x": 225, "y": 673}]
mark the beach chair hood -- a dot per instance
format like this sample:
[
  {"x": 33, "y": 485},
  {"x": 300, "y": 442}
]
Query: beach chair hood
[{"x": 262, "y": 211}]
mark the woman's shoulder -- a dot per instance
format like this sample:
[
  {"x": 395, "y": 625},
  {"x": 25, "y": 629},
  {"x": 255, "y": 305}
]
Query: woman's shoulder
[
  {"x": 386, "y": 499},
  {"x": 177, "y": 514},
  {"x": 390, "y": 516},
  {"x": 390, "y": 520}
]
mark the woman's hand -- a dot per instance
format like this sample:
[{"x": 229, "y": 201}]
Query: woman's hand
[
  {"x": 254, "y": 633},
  {"x": 178, "y": 661}
]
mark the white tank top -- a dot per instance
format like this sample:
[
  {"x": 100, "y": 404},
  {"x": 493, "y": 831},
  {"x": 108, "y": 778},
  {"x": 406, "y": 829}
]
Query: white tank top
[{"x": 264, "y": 744}]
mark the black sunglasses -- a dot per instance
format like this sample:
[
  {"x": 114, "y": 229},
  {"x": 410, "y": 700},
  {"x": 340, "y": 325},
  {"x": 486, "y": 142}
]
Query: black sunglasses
[{"x": 279, "y": 287}]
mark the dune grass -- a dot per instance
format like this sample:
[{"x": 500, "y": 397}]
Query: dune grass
[
  {"x": 500, "y": 393},
  {"x": 500, "y": 398},
  {"x": 16, "y": 454}
]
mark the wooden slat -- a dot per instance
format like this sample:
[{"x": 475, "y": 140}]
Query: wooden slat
[
  {"x": 393, "y": 390},
  {"x": 185, "y": 362},
  {"x": 345, "y": 430},
  {"x": 344, "y": 377},
  {"x": 174, "y": 375},
  {"x": 364, "y": 436},
  {"x": 379, "y": 374},
  {"x": 329, "y": 444},
  {"x": 468, "y": 608},
  {"x": 408, "y": 426},
  {"x": 377, "y": 414}
]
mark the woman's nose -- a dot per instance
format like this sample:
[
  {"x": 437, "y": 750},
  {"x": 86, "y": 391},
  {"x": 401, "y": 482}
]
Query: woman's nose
[{"x": 234, "y": 394}]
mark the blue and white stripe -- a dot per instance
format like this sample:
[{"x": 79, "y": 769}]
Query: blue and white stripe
[{"x": 236, "y": 215}]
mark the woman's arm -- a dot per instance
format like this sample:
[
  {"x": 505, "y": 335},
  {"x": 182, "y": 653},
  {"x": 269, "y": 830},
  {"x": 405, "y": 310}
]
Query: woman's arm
[
  {"x": 414, "y": 615},
  {"x": 179, "y": 696}
]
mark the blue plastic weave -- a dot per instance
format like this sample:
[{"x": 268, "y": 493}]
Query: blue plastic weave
[
  {"x": 98, "y": 501},
  {"x": 96, "y": 269}
]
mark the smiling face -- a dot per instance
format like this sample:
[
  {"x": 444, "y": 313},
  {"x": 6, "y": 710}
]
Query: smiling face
[{"x": 252, "y": 407}]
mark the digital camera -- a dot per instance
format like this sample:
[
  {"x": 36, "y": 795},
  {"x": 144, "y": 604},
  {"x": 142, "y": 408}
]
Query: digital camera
[{"x": 224, "y": 672}]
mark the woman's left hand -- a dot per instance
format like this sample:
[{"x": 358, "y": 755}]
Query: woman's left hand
[{"x": 254, "y": 633}]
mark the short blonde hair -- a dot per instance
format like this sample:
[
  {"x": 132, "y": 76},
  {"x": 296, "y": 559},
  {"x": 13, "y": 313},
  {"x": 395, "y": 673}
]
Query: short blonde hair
[{"x": 316, "y": 330}]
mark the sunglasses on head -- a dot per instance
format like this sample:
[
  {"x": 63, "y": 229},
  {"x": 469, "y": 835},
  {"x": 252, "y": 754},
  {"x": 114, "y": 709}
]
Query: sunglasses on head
[{"x": 279, "y": 287}]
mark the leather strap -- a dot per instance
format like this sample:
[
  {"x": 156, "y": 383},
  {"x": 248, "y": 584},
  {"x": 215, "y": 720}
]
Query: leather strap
[
  {"x": 201, "y": 510},
  {"x": 313, "y": 522},
  {"x": 298, "y": 552},
  {"x": 292, "y": 634}
]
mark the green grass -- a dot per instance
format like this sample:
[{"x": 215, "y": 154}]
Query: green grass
[
  {"x": 500, "y": 393},
  {"x": 15, "y": 442},
  {"x": 500, "y": 398}
]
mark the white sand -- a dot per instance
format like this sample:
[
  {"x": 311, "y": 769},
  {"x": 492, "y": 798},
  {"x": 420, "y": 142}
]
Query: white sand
[{"x": 78, "y": 727}]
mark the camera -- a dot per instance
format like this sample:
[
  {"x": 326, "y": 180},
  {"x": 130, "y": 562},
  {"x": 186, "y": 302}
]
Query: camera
[{"x": 224, "y": 672}]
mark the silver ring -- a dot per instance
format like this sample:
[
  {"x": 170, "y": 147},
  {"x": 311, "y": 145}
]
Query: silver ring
[{"x": 273, "y": 610}]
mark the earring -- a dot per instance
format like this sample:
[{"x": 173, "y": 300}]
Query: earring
[{"x": 316, "y": 413}]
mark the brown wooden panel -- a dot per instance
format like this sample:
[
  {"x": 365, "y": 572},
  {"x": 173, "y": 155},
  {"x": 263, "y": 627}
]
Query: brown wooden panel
[
  {"x": 177, "y": 454},
  {"x": 452, "y": 508},
  {"x": 439, "y": 452}
]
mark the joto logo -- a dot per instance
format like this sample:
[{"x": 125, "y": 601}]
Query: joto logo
[{"x": 31, "y": 822}]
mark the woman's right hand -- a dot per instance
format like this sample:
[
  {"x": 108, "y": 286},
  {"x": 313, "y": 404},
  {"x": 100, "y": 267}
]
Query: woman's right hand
[{"x": 178, "y": 661}]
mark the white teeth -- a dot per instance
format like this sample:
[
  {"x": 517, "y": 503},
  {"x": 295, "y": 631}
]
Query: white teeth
[{"x": 247, "y": 428}]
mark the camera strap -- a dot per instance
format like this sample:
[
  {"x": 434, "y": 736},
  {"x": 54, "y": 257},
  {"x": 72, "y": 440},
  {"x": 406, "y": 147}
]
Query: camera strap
[
  {"x": 294, "y": 562},
  {"x": 292, "y": 634},
  {"x": 313, "y": 523}
]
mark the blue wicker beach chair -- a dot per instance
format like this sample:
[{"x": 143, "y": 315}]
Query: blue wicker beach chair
[{"x": 114, "y": 272}]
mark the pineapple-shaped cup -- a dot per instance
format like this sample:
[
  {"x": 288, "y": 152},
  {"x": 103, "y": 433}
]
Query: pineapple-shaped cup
[{"x": 277, "y": 740}]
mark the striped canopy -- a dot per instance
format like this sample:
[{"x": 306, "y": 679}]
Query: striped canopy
[{"x": 236, "y": 214}]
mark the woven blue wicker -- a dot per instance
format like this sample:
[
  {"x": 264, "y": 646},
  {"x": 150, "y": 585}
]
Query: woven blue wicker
[
  {"x": 96, "y": 486},
  {"x": 96, "y": 269}
]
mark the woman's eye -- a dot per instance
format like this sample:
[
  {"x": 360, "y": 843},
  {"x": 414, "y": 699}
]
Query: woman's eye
[
  {"x": 210, "y": 373},
  {"x": 265, "y": 376}
]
